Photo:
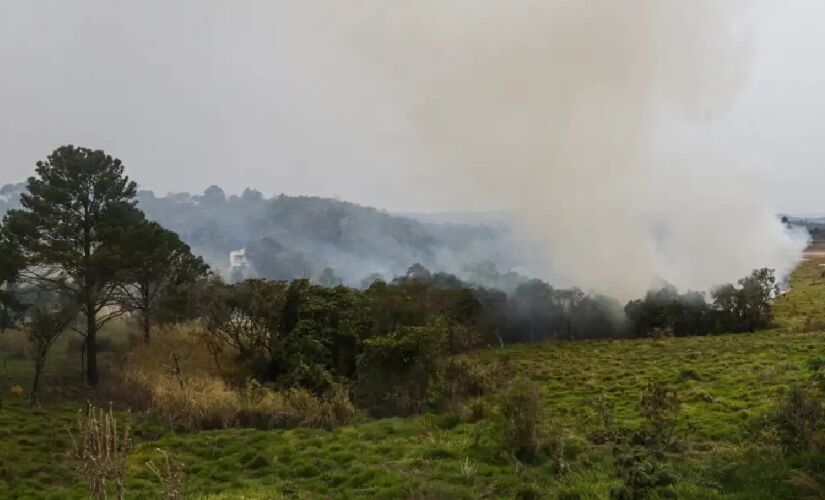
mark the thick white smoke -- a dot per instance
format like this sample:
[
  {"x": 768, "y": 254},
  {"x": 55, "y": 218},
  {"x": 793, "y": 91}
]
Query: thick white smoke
[{"x": 593, "y": 121}]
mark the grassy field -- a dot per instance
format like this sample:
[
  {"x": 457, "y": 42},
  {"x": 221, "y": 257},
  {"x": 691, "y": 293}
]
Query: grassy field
[{"x": 728, "y": 385}]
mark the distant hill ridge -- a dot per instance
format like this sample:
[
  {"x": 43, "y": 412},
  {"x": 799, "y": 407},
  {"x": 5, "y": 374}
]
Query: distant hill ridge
[{"x": 289, "y": 237}]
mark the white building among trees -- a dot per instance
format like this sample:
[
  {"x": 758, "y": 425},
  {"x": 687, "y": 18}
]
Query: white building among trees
[{"x": 237, "y": 258}]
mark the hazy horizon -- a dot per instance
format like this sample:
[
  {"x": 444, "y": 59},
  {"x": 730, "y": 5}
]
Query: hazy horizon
[
  {"x": 688, "y": 125},
  {"x": 258, "y": 94}
]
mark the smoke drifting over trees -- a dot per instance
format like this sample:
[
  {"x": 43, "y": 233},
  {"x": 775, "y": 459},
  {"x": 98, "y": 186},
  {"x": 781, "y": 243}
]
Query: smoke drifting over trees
[
  {"x": 593, "y": 122},
  {"x": 602, "y": 127}
]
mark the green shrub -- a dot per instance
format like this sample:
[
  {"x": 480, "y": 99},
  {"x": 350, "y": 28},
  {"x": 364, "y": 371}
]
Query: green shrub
[
  {"x": 396, "y": 371},
  {"x": 519, "y": 410},
  {"x": 660, "y": 405},
  {"x": 639, "y": 455},
  {"x": 529, "y": 492},
  {"x": 799, "y": 417},
  {"x": 601, "y": 420},
  {"x": 461, "y": 378},
  {"x": 641, "y": 474},
  {"x": 688, "y": 374},
  {"x": 475, "y": 410}
]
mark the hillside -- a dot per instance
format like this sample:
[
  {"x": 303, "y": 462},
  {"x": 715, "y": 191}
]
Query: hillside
[
  {"x": 289, "y": 237},
  {"x": 728, "y": 386}
]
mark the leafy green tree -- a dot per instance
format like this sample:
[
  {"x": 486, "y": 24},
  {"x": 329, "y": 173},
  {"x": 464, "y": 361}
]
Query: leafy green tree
[
  {"x": 747, "y": 307},
  {"x": 324, "y": 329},
  {"x": 43, "y": 329},
  {"x": 667, "y": 311},
  {"x": 11, "y": 262},
  {"x": 158, "y": 263},
  {"x": 248, "y": 316},
  {"x": 70, "y": 230},
  {"x": 395, "y": 371},
  {"x": 756, "y": 292}
]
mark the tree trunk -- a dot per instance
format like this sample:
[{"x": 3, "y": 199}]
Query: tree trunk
[
  {"x": 145, "y": 305},
  {"x": 147, "y": 326},
  {"x": 38, "y": 369},
  {"x": 91, "y": 345}
]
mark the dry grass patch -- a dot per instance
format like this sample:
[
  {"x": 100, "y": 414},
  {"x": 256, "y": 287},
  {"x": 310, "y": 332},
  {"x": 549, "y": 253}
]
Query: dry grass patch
[{"x": 192, "y": 384}]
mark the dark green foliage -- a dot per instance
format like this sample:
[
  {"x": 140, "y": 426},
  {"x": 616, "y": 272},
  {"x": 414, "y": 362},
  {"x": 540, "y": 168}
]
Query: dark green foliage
[
  {"x": 462, "y": 378},
  {"x": 11, "y": 262},
  {"x": 529, "y": 492},
  {"x": 71, "y": 231},
  {"x": 743, "y": 308},
  {"x": 388, "y": 338},
  {"x": 661, "y": 408},
  {"x": 323, "y": 333},
  {"x": 639, "y": 456},
  {"x": 520, "y": 417},
  {"x": 747, "y": 307},
  {"x": 602, "y": 422},
  {"x": 45, "y": 326},
  {"x": 536, "y": 311},
  {"x": 641, "y": 474},
  {"x": 666, "y": 310},
  {"x": 249, "y": 316},
  {"x": 816, "y": 364},
  {"x": 395, "y": 371},
  {"x": 799, "y": 416},
  {"x": 298, "y": 334},
  {"x": 158, "y": 269},
  {"x": 415, "y": 301}
]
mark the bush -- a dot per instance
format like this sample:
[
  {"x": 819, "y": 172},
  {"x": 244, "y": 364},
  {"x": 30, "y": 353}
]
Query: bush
[
  {"x": 660, "y": 406},
  {"x": 520, "y": 412},
  {"x": 395, "y": 372},
  {"x": 202, "y": 402},
  {"x": 190, "y": 392},
  {"x": 639, "y": 455},
  {"x": 601, "y": 420},
  {"x": 641, "y": 474},
  {"x": 462, "y": 378},
  {"x": 209, "y": 403},
  {"x": 799, "y": 417}
]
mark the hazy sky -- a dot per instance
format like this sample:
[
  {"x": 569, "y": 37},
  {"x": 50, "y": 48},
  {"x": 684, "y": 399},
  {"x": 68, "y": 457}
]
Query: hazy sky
[{"x": 256, "y": 93}]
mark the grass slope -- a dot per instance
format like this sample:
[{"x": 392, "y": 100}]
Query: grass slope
[{"x": 728, "y": 383}]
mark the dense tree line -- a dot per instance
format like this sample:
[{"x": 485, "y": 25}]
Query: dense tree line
[
  {"x": 742, "y": 308},
  {"x": 389, "y": 339},
  {"x": 78, "y": 252}
]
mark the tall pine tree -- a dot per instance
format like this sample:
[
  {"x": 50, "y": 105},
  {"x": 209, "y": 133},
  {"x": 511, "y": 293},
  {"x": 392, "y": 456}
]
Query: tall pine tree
[{"x": 71, "y": 231}]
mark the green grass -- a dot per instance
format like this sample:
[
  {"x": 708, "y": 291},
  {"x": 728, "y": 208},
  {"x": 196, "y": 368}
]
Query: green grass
[
  {"x": 803, "y": 309},
  {"x": 728, "y": 384}
]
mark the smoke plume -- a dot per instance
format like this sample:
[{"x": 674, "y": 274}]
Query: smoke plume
[{"x": 593, "y": 122}]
